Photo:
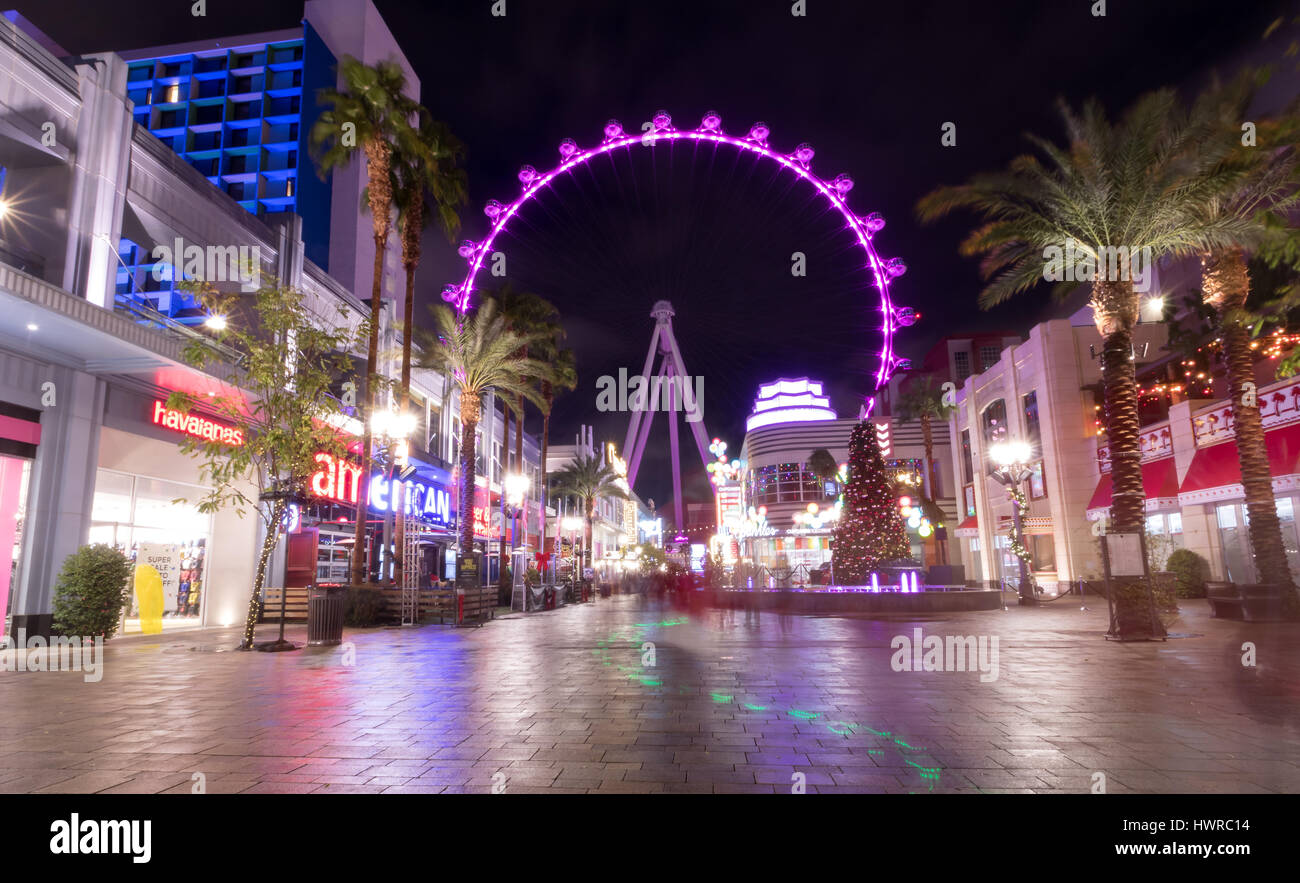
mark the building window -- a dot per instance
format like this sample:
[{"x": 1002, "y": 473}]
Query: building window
[
  {"x": 1037, "y": 487},
  {"x": 1042, "y": 552},
  {"x": 969, "y": 496},
  {"x": 961, "y": 362},
  {"x": 989, "y": 356},
  {"x": 967, "y": 469},
  {"x": 1033, "y": 434},
  {"x": 995, "y": 426}
]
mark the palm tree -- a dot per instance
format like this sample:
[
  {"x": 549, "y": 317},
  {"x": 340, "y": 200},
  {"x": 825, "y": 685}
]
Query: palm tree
[
  {"x": 589, "y": 479},
  {"x": 536, "y": 319},
  {"x": 422, "y": 166},
  {"x": 922, "y": 400},
  {"x": 561, "y": 376},
  {"x": 479, "y": 353},
  {"x": 369, "y": 114},
  {"x": 1116, "y": 191},
  {"x": 821, "y": 463},
  {"x": 1261, "y": 186}
]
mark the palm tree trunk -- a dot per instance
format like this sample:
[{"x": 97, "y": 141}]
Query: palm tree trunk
[
  {"x": 519, "y": 465},
  {"x": 1128, "y": 501},
  {"x": 380, "y": 195},
  {"x": 468, "y": 425},
  {"x": 505, "y": 470},
  {"x": 399, "y": 501},
  {"x": 1227, "y": 283},
  {"x": 359, "y": 574},
  {"x": 546, "y": 433}
]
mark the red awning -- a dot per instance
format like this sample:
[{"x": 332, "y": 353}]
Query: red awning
[
  {"x": 1215, "y": 466},
  {"x": 1159, "y": 481},
  {"x": 971, "y": 523},
  {"x": 1101, "y": 496},
  {"x": 1283, "y": 446}
]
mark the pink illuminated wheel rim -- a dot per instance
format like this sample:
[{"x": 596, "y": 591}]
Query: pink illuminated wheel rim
[{"x": 880, "y": 271}]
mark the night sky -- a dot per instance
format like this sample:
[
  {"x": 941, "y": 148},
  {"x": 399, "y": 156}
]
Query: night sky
[{"x": 868, "y": 84}]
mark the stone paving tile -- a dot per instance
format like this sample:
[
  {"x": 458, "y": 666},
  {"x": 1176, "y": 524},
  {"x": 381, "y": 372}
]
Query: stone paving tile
[{"x": 731, "y": 706}]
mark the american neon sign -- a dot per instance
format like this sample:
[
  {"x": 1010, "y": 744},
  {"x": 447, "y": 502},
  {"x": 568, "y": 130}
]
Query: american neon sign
[
  {"x": 339, "y": 479},
  {"x": 195, "y": 425}
]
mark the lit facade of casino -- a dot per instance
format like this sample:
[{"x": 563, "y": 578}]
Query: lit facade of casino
[{"x": 786, "y": 521}]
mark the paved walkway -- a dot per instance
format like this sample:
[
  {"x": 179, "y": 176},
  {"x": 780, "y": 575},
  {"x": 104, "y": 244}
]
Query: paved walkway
[{"x": 561, "y": 702}]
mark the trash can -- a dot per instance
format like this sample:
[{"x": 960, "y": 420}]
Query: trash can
[{"x": 325, "y": 607}]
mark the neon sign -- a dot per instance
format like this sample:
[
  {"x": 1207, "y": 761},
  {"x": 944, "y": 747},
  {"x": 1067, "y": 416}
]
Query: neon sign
[
  {"x": 339, "y": 479},
  {"x": 195, "y": 425}
]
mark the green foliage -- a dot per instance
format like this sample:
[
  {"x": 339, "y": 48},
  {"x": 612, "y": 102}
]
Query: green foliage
[
  {"x": 921, "y": 399},
  {"x": 365, "y": 607},
  {"x": 369, "y": 108},
  {"x": 588, "y": 479},
  {"x": 1190, "y": 573},
  {"x": 92, "y": 588},
  {"x": 870, "y": 530},
  {"x": 279, "y": 398},
  {"x": 821, "y": 463},
  {"x": 1134, "y": 184},
  {"x": 479, "y": 352}
]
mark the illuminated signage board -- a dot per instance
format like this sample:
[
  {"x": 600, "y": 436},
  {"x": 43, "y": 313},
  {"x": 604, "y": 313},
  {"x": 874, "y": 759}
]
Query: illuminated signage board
[
  {"x": 195, "y": 425},
  {"x": 339, "y": 479}
]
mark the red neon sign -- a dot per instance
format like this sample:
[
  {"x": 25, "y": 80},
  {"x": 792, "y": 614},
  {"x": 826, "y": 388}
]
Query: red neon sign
[
  {"x": 195, "y": 425},
  {"x": 338, "y": 479}
]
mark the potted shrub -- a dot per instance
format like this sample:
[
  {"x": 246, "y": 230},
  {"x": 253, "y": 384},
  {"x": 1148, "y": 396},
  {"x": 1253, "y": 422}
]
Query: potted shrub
[
  {"x": 92, "y": 588},
  {"x": 1190, "y": 573}
]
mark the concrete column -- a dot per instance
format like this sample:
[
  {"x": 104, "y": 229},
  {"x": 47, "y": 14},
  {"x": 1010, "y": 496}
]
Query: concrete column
[
  {"x": 60, "y": 494},
  {"x": 1200, "y": 524},
  {"x": 99, "y": 179}
]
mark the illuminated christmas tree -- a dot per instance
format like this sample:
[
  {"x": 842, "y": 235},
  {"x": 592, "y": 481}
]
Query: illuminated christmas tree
[{"x": 870, "y": 530}]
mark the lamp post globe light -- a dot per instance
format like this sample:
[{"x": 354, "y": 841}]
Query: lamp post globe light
[{"x": 1011, "y": 459}]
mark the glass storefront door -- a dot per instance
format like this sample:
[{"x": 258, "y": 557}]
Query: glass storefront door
[
  {"x": 1234, "y": 534},
  {"x": 131, "y": 510},
  {"x": 14, "y": 476}
]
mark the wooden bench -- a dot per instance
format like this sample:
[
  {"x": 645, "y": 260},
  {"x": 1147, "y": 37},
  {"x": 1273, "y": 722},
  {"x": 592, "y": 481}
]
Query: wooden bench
[
  {"x": 295, "y": 604},
  {"x": 1249, "y": 603}
]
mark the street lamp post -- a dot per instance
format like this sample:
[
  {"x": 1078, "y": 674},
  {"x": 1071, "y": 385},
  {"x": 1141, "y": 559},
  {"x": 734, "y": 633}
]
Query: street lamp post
[
  {"x": 1011, "y": 467},
  {"x": 516, "y": 489}
]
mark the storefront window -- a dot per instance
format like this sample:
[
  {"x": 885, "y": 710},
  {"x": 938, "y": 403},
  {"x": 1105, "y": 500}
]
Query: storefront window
[
  {"x": 1236, "y": 544},
  {"x": 131, "y": 510},
  {"x": 15, "y": 473},
  {"x": 1042, "y": 552},
  {"x": 1290, "y": 542},
  {"x": 977, "y": 571}
]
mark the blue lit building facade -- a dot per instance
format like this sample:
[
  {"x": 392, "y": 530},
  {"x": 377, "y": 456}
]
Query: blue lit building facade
[{"x": 239, "y": 113}]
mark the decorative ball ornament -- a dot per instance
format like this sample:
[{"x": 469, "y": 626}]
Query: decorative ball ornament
[
  {"x": 895, "y": 267},
  {"x": 905, "y": 316},
  {"x": 613, "y": 131},
  {"x": 712, "y": 122},
  {"x": 803, "y": 154},
  {"x": 758, "y": 134},
  {"x": 467, "y": 249},
  {"x": 527, "y": 174},
  {"x": 662, "y": 121},
  {"x": 842, "y": 184},
  {"x": 568, "y": 147},
  {"x": 874, "y": 222},
  {"x": 493, "y": 209}
]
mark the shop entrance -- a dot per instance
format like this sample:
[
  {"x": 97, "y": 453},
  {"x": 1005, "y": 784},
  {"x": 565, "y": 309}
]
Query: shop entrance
[
  {"x": 130, "y": 511},
  {"x": 15, "y": 473}
]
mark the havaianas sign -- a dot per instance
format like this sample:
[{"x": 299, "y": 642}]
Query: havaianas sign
[{"x": 195, "y": 425}]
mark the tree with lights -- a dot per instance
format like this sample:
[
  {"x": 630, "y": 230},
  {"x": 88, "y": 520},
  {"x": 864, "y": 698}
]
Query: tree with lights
[{"x": 870, "y": 530}]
